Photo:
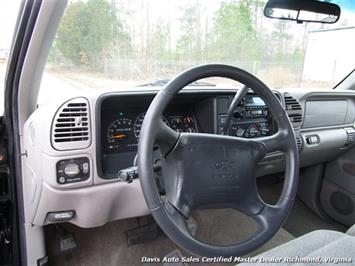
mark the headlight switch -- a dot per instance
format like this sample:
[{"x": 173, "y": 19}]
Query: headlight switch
[{"x": 73, "y": 170}]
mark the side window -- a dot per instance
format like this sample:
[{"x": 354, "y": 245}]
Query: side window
[{"x": 8, "y": 15}]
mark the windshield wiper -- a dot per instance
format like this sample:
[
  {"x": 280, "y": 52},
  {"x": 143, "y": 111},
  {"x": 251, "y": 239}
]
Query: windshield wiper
[{"x": 163, "y": 82}]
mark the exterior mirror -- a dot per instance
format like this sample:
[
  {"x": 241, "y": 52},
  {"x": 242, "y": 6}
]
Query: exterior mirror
[{"x": 302, "y": 11}]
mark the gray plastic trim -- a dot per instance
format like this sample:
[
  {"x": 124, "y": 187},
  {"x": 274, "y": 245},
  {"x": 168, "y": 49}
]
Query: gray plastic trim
[
  {"x": 95, "y": 205},
  {"x": 325, "y": 113},
  {"x": 43, "y": 34}
]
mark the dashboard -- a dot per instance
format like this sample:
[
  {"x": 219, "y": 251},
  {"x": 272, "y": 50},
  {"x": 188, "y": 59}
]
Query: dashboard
[
  {"x": 122, "y": 118},
  {"x": 76, "y": 147}
]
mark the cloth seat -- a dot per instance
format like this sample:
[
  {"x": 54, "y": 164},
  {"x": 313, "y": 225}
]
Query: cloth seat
[{"x": 325, "y": 245}]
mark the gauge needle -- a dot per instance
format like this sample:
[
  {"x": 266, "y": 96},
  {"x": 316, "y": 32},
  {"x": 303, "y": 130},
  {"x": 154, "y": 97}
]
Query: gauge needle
[{"x": 118, "y": 136}]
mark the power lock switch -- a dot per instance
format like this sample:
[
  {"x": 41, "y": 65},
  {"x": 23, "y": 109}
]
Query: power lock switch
[{"x": 73, "y": 170}]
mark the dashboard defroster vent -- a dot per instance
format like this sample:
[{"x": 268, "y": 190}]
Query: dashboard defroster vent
[
  {"x": 294, "y": 110},
  {"x": 350, "y": 132},
  {"x": 71, "y": 125}
]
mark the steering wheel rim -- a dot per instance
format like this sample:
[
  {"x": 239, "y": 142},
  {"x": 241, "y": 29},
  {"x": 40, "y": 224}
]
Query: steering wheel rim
[{"x": 186, "y": 194}]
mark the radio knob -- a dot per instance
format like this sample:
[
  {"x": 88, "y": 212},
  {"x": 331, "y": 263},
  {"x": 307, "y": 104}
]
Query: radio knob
[
  {"x": 72, "y": 170},
  {"x": 240, "y": 132}
]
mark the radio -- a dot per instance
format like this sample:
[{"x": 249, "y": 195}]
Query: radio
[
  {"x": 251, "y": 118},
  {"x": 255, "y": 111},
  {"x": 254, "y": 107}
]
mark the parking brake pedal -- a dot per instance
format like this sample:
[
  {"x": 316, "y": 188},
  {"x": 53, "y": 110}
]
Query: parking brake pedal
[
  {"x": 65, "y": 240},
  {"x": 142, "y": 234}
]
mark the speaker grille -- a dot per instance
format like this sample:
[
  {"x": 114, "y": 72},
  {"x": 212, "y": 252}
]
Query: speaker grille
[{"x": 341, "y": 203}]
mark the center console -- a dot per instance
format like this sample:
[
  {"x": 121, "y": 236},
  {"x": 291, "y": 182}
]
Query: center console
[{"x": 251, "y": 117}]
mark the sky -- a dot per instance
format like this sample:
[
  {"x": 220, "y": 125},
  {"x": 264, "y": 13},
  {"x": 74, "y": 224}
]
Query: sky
[{"x": 348, "y": 5}]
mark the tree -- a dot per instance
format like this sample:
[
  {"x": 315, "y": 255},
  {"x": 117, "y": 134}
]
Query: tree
[
  {"x": 261, "y": 34},
  {"x": 88, "y": 30},
  {"x": 234, "y": 36},
  {"x": 281, "y": 37},
  {"x": 189, "y": 45},
  {"x": 158, "y": 43}
]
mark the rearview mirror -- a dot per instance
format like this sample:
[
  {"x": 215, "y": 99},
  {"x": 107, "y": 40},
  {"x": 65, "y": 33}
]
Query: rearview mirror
[{"x": 302, "y": 11}]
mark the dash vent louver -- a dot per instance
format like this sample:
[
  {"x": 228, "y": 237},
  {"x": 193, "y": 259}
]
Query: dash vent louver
[
  {"x": 71, "y": 125},
  {"x": 294, "y": 110},
  {"x": 299, "y": 143}
]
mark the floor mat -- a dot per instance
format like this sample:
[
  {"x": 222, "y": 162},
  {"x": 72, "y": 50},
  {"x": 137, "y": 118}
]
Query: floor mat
[
  {"x": 174, "y": 259},
  {"x": 107, "y": 245},
  {"x": 302, "y": 219}
]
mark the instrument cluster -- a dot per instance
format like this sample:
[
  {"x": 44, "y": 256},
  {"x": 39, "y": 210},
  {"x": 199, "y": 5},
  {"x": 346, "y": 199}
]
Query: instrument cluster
[{"x": 122, "y": 128}]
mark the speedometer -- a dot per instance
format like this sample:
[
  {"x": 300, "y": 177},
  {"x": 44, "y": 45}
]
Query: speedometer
[
  {"x": 118, "y": 133},
  {"x": 138, "y": 124}
]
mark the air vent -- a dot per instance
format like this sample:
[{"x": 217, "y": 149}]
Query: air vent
[
  {"x": 294, "y": 110},
  {"x": 71, "y": 125},
  {"x": 299, "y": 143},
  {"x": 350, "y": 135}
]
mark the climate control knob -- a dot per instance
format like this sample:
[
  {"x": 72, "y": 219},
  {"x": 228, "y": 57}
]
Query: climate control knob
[{"x": 254, "y": 131}]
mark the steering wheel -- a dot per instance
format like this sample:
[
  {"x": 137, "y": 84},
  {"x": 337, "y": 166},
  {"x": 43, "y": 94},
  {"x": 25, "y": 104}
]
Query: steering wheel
[{"x": 214, "y": 170}]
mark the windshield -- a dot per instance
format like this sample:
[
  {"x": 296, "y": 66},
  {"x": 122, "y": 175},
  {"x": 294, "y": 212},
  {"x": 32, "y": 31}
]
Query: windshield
[
  {"x": 116, "y": 44},
  {"x": 8, "y": 15}
]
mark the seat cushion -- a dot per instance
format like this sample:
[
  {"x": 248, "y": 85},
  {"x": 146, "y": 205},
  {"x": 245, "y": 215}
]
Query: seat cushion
[
  {"x": 351, "y": 231},
  {"x": 321, "y": 244}
]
